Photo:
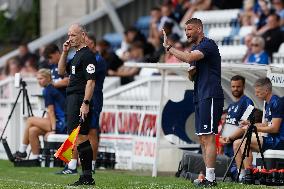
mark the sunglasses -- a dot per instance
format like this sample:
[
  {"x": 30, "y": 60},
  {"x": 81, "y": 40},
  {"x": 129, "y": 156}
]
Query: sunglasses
[{"x": 255, "y": 45}]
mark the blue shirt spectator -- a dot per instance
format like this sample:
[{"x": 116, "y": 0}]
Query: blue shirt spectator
[
  {"x": 261, "y": 58},
  {"x": 258, "y": 55},
  {"x": 53, "y": 97}
]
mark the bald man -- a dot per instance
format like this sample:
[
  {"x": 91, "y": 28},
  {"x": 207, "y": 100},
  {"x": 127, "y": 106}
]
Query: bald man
[{"x": 85, "y": 78}]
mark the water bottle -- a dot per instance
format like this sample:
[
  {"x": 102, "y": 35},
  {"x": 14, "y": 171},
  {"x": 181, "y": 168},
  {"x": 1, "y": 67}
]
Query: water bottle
[
  {"x": 42, "y": 160},
  {"x": 51, "y": 163}
]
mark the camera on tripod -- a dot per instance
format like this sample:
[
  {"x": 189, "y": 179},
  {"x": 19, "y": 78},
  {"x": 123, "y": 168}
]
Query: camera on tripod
[
  {"x": 249, "y": 118},
  {"x": 18, "y": 80},
  {"x": 18, "y": 83}
]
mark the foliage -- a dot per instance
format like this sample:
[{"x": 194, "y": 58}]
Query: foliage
[{"x": 23, "y": 26}]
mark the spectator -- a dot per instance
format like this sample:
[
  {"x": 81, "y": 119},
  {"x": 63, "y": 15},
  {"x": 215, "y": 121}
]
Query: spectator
[
  {"x": 112, "y": 60},
  {"x": 25, "y": 54},
  {"x": 53, "y": 123},
  {"x": 258, "y": 55},
  {"x": 247, "y": 16},
  {"x": 154, "y": 34},
  {"x": 273, "y": 36},
  {"x": 30, "y": 67},
  {"x": 52, "y": 54},
  {"x": 225, "y": 4},
  {"x": 136, "y": 54},
  {"x": 12, "y": 66},
  {"x": 247, "y": 39},
  {"x": 132, "y": 35},
  {"x": 2, "y": 74},
  {"x": 264, "y": 11},
  {"x": 197, "y": 5},
  {"x": 279, "y": 8},
  {"x": 43, "y": 62},
  {"x": 180, "y": 8},
  {"x": 167, "y": 16}
]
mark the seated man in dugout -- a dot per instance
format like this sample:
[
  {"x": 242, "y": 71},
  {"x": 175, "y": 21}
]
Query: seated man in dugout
[
  {"x": 54, "y": 122},
  {"x": 231, "y": 130},
  {"x": 273, "y": 125}
]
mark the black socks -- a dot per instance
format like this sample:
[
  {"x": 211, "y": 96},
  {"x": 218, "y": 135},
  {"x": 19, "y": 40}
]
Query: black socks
[{"x": 86, "y": 156}]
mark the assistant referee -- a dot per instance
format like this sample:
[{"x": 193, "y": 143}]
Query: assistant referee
[{"x": 83, "y": 78}]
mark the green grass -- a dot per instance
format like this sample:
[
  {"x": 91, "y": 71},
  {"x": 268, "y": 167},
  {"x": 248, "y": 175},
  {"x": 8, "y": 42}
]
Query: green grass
[{"x": 23, "y": 178}]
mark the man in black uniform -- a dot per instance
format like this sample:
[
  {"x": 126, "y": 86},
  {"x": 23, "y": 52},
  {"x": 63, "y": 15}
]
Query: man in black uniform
[{"x": 86, "y": 78}]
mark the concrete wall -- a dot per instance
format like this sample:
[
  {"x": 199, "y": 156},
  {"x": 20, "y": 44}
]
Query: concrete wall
[{"x": 56, "y": 13}]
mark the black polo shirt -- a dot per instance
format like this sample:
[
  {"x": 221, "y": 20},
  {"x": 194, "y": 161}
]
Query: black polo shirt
[{"x": 81, "y": 69}]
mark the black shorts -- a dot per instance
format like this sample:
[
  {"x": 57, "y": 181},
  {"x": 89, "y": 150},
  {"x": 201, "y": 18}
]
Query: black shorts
[{"x": 74, "y": 102}]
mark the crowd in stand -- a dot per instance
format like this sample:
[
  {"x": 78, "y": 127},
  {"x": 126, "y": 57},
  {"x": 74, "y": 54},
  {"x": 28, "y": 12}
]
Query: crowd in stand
[{"x": 265, "y": 16}]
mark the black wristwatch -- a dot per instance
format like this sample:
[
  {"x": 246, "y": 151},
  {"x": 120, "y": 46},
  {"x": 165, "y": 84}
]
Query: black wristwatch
[
  {"x": 169, "y": 47},
  {"x": 87, "y": 102}
]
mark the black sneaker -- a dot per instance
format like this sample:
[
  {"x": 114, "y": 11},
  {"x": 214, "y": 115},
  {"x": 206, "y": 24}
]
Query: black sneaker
[
  {"x": 84, "y": 181},
  {"x": 205, "y": 183},
  {"x": 20, "y": 155},
  {"x": 67, "y": 171}
]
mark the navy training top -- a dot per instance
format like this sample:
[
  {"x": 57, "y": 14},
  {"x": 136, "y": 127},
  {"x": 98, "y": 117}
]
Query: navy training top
[
  {"x": 237, "y": 109},
  {"x": 208, "y": 71}
]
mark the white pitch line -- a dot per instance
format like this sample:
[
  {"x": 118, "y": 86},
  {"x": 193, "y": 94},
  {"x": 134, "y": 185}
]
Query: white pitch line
[
  {"x": 30, "y": 182},
  {"x": 42, "y": 184}
]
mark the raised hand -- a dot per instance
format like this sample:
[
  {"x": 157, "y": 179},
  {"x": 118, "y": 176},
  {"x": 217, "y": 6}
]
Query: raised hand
[
  {"x": 165, "y": 44},
  {"x": 66, "y": 46}
]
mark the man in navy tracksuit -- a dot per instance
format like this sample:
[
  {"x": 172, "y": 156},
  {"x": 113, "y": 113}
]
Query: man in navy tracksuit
[{"x": 208, "y": 92}]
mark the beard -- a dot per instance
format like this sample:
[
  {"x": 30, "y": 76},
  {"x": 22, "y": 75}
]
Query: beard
[
  {"x": 237, "y": 94},
  {"x": 192, "y": 39}
]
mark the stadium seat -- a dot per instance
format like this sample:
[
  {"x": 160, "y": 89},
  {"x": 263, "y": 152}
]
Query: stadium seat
[
  {"x": 245, "y": 30},
  {"x": 114, "y": 39},
  {"x": 278, "y": 57},
  {"x": 232, "y": 53},
  {"x": 143, "y": 24},
  {"x": 217, "y": 17},
  {"x": 219, "y": 34}
]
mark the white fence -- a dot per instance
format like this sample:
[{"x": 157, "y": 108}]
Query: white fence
[{"x": 130, "y": 120}]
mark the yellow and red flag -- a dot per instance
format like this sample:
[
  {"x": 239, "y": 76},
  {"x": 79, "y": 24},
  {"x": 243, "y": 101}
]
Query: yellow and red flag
[{"x": 66, "y": 149}]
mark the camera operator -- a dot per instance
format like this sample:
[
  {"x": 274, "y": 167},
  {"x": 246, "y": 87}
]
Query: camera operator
[{"x": 273, "y": 124}]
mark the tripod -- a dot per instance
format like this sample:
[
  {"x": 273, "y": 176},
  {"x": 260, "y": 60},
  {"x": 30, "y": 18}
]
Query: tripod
[
  {"x": 248, "y": 134},
  {"x": 25, "y": 100}
]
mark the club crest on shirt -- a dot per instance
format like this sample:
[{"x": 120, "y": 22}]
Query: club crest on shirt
[{"x": 91, "y": 68}]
